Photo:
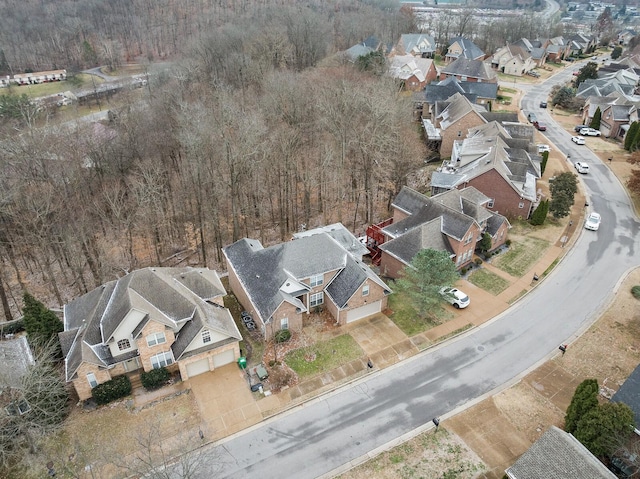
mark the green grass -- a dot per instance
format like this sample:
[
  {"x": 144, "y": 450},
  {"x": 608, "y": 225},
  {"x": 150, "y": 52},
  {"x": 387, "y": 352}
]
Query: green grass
[
  {"x": 488, "y": 281},
  {"x": 328, "y": 355},
  {"x": 410, "y": 322},
  {"x": 508, "y": 90},
  {"x": 521, "y": 256},
  {"x": 44, "y": 89}
]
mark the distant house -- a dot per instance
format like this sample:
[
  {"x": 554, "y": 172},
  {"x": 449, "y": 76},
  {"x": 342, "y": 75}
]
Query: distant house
[
  {"x": 535, "y": 48},
  {"x": 150, "y": 318},
  {"x": 463, "y": 47},
  {"x": 512, "y": 60},
  {"x": 453, "y": 222},
  {"x": 557, "y": 454},
  {"x": 415, "y": 73},
  {"x": 558, "y": 48},
  {"x": 468, "y": 70},
  {"x": 496, "y": 164},
  {"x": 319, "y": 270},
  {"x": 625, "y": 36},
  {"x": 369, "y": 45},
  {"x": 416, "y": 44}
]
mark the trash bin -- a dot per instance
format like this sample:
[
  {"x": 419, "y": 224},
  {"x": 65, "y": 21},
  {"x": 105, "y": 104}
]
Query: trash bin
[{"x": 242, "y": 362}]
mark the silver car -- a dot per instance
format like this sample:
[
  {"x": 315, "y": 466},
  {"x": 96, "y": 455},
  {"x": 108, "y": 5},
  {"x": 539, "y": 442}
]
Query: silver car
[{"x": 454, "y": 296}]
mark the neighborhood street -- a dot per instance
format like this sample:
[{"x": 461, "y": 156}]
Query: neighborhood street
[{"x": 319, "y": 437}]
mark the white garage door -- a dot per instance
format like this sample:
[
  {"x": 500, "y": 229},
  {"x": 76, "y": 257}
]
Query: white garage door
[
  {"x": 363, "y": 311},
  {"x": 198, "y": 367},
  {"x": 223, "y": 358}
]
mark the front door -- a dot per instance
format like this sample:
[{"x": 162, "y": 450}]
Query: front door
[{"x": 132, "y": 364}]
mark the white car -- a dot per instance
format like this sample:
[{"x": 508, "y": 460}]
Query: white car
[
  {"x": 578, "y": 140},
  {"x": 454, "y": 296},
  {"x": 593, "y": 222},
  {"x": 589, "y": 132},
  {"x": 543, "y": 148},
  {"x": 582, "y": 167}
]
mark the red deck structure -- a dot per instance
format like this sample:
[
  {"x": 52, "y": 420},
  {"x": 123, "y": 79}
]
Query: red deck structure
[{"x": 375, "y": 238}]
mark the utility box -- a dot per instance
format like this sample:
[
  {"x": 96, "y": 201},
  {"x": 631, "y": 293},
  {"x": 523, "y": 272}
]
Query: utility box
[{"x": 242, "y": 362}]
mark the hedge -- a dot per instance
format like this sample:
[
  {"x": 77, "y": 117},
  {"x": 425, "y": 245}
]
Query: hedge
[
  {"x": 12, "y": 327},
  {"x": 117, "y": 388},
  {"x": 283, "y": 336},
  {"x": 155, "y": 378}
]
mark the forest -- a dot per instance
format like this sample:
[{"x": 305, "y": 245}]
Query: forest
[{"x": 258, "y": 128}]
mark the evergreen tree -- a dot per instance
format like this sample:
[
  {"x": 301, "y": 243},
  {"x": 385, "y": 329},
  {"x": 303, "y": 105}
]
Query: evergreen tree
[
  {"x": 584, "y": 399},
  {"x": 540, "y": 213},
  {"x": 543, "y": 163},
  {"x": 631, "y": 133},
  {"x": 40, "y": 323},
  {"x": 485, "y": 243},
  {"x": 595, "y": 121},
  {"x": 615, "y": 54},
  {"x": 563, "y": 190},
  {"x": 605, "y": 426},
  {"x": 635, "y": 141}
]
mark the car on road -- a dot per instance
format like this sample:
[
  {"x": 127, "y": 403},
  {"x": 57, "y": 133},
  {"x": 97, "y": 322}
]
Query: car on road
[
  {"x": 592, "y": 222},
  {"x": 578, "y": 140},
  {"x": 542, "y": 148},
  {"x": 595, "y": 57},
  {"x": 454, "y": 296},
  {"x": 543, "y": 104},
  {"x": 582, "y": 167},
  {"x": 576, "y": 73},
  {"x": 532, "y": 117},
  {"x": 589, "y": 132},
  {"x": 540, "y": 126}
]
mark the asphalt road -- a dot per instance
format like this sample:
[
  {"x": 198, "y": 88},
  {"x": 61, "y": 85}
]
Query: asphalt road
[{"x": 318, "y": 437}]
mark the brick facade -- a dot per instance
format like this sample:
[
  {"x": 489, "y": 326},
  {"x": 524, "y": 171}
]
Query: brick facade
[
  {"x": 146, "y": 351},
  {"x": 506, "y": 200},
  {"x": 458, "y": 131}
]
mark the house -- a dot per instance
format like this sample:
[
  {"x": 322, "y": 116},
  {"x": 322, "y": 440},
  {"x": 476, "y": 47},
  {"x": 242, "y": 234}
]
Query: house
[
  {"x": 512, "y": 60},
  {"x": 629, "y": 394},
  {"x": 282, "y": 284},
  {"x": 496, "y": 164},
  {"x": 414, "y": 72},
  {"x": 453, "y": 221},
  {"x": 625, "y": 36},
  {"x": 477, "y": 93},
  {"x": 468, "y": 70},
  {"x": 416, "y": 44},
  {"x": 463, "y": 47},
  {"x": 613, "y": 118},
  {"x": 369, "y": 45},
  {"x": 580, "y": 44},
  {"x": 558, "y": 48},
  {"x": 150, "y": 318},
  {"x": 454, "y": 118},
  {"x": 557, "y": 454},
  {"x": 535, "y": 48}
]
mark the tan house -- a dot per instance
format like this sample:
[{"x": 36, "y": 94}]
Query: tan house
[
  {"x": 319, "y": 270},
  {"x": 463, "y": 47},
  {"x": 453, "y": 118},
  {"x": 453, "y": 221},
  {"x": 415, "y": 44},
  {"x": 150, "y": 318},
  {"x": 414, "y": 72},
  {"x": 513, "y": 60}
]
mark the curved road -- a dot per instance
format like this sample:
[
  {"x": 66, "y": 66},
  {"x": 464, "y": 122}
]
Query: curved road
[{"x": 318, "y": 437}]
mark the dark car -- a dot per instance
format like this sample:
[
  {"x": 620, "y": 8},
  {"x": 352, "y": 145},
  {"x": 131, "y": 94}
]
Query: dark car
[
  {"x": 540, "y": 126},
  {"x": 543, "y": 104},
  {"x": 577, "y": 128}
]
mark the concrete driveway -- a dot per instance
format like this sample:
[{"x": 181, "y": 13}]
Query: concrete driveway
[{"x": 225, "y": 401}]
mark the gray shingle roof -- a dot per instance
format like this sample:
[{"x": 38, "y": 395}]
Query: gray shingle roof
[
  {"x": 469, "y": 49},
  {"x": 342, "y": 235},
  {"x": 414, "y": 43},
  {"x": 170, "y": 295},
  {"x": 425, "y": 236},
  {"x": 629, "y": 394},
  {"x": 558, "y": 454},
  {"x": 15, "y": 360},
  {"x": 469, "y": 68}
]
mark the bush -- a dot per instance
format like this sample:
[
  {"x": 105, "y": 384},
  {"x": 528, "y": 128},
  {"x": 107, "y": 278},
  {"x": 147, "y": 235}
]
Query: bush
[
  {"x": 13, "y": 327},
  {"x": 463, "y": 271},
  {"x": 155, "y": 378},
  {"x": 508, "y": 242},
  {"x": 117, "y": 388},
  {"x": 282, "y": 336},
  {"x": 635, "y": 291},
  {"x": 478, "y": 261}
]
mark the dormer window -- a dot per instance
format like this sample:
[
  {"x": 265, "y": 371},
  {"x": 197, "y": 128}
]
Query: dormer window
[
  {"x": 316, "y": 280},
  {"x": 124, "y": 344},
  {"x": 206, "y": 336}
]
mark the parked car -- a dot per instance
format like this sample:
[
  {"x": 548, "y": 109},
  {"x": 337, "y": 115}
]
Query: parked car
[
  {"x": 570, "y": 59},
  {"x": 578, "y": 140},
  {"x": 454, "y": 296},
  {"x": 540, "y": 126},
  {"x": 533, "y": 73},
  {"x": 592, "y": 222},
  {"x": 577, "y": 128},
  {"x": 589, "y": 132},
  {"x": 595, "y": 57},
  {"x": 543, "y": 104},
  {"x": 582, "y": 167},
  {"x": 542, "y": 148}
]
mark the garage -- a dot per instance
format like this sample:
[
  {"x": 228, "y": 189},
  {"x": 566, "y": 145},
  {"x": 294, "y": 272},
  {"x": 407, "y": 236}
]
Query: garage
[
  {"x": 364, "y": 311},
  {"x": 221, "y": 359},
  {"x": 198, "y": 367}
]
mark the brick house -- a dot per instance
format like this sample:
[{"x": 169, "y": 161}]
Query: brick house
[
  {"x": 454, "y": 118},
  {"x": 469, "y": 70},
  {"x": 453, "y": 221},
  {"x": 322, "y": 269},
  {"x": 150, "y": 318},
  {"x": 496, "y": 164},
  {"x": 512, "y": 60},
  {"x": 415, "y": 73}
]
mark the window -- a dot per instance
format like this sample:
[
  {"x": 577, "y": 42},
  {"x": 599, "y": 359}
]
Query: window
[
  {"x": 365, "y": 290},
  {"x": 161, "y": 360},
  {"x": 206, "y": 336},
  {"x": 521, "y": 204},
  {"x": 124, "y": 344},
  {"x": 316, "y": 299},
  {"x": 156, "y": 338},
  {"x": 93, "y": 382},
  {"x": 284, "y": 323},
  {"x": 316, "y": 280},
  {"x": 18, "y": 408},
  {"x": 468, "y": 239},
  {"x": 490, "y": 204}
]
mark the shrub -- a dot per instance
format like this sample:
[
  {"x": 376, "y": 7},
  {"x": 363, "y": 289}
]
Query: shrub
[
  {"x": 282, "y": 336},
  {"x": 117, "y": 388},
  {"x": 13, "y": 327},
  {"x": 508, "y": 242},
  {"x": 635, "y": 291},
  {"x": 155, "y": 378},
  {"x": 478, "y": 261},
  {"x": 463, "y": 271}
]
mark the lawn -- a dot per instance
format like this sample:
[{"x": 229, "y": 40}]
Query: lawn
[
  {"x": 488, "y": 281},
  {"x": 408, "y": 321},
  {"x": 45, "y": 89},
  {"x": 521, "y": 256},
  {"x": 323, "y": 356}
]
